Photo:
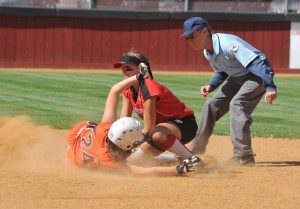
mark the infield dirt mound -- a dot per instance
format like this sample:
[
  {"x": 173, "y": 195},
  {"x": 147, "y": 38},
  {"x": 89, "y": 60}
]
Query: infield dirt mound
[{"x": 33, "y": 174}]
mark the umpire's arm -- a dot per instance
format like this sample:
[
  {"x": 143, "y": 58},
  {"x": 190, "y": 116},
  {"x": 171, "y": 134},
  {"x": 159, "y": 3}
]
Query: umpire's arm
[{"x": 217, "y": 80}]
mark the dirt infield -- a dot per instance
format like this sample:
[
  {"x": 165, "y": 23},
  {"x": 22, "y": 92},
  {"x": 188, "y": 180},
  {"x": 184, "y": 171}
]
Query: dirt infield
[{"x": 33, "y": 174}]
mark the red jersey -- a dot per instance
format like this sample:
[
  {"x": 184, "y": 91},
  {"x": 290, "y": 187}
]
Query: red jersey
[
  {"x": 168, "y": 106},
  {"x": 88, "y": 146}
]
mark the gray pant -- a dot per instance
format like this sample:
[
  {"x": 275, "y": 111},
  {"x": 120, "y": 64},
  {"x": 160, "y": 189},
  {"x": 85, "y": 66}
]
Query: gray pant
[{"x": 240, "y": 96}]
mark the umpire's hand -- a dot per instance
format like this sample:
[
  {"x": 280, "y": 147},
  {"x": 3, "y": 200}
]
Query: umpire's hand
[
  {"x": 270, "y": 96},
  {"x": 205, "y": 90}
]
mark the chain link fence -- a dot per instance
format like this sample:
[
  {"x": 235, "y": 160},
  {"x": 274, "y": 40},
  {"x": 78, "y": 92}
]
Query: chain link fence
[
  {"x": 269, "y": 6},
  {"x": 79, "y": 4},
  {"x": 294, "y": 6}
]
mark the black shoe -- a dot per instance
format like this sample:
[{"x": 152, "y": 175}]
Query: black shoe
[{"x": 245, "y": 160}]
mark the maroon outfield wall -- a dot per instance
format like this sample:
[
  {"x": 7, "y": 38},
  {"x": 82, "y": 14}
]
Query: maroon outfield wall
[{"x": 66, "y": 42}]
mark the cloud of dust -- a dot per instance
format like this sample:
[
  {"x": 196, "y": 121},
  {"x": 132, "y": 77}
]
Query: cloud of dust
[
  {"x": 25, "y": 146},
  {"x": 214, "y": 169}
]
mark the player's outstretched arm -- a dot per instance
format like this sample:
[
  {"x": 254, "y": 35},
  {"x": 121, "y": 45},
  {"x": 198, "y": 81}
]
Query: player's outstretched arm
[
  {"x": 152, "y": 171},
  {"x": 127, "y": 108},
  {"x": 188, "y": 165},
  {"x": 112, "y": 102}
]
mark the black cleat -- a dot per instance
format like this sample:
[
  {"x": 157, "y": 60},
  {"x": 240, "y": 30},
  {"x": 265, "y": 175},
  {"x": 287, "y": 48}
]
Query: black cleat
[{"x": 247, "y": 160}]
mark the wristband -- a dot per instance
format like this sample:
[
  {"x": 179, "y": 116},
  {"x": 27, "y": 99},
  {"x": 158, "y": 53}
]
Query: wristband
[{"x": 139, "y": 77}]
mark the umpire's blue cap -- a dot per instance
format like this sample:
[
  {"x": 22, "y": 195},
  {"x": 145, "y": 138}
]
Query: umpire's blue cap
[{"x": 193, "y": 24}]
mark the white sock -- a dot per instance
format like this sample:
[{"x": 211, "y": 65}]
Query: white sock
[
  {"x": 180, "y": 150},
  {"x": 164, "y": 159}
]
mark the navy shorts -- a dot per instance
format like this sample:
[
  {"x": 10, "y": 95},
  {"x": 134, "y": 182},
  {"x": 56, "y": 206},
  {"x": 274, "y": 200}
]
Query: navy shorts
[{"x": 188, "y": 128}]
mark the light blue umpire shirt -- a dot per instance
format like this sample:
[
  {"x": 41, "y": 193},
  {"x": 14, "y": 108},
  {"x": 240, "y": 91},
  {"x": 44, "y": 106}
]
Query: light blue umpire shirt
[{"x": 231, "y": 54}]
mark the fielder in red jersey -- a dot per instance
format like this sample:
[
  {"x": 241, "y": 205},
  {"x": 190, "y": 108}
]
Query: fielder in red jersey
[
  {"x": 168, "y": 106},
  {"x": 168, "y": 123}
]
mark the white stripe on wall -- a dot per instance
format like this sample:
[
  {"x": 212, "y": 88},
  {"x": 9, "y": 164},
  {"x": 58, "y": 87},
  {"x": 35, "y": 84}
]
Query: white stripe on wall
[{"x": 295, "y": 46}]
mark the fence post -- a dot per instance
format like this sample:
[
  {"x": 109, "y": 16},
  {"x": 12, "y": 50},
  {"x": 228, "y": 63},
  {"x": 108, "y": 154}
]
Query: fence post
[
  {"x": 286, "y": 6},
  {"x": 186, "y": 5}
]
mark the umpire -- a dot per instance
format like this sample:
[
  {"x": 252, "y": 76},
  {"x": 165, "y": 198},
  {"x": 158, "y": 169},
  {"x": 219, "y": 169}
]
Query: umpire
[{"x": 248, "y": 76}]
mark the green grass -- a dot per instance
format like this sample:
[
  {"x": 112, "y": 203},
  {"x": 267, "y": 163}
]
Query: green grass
[{"x": 61, "y": 99}]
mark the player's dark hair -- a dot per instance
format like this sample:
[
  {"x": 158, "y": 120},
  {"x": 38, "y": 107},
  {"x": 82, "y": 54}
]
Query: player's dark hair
[
  {"x": 143, "y": 59},
  {"x": 116, "y": 152}
]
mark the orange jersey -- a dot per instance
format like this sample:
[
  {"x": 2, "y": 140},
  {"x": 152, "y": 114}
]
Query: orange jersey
[{"x": 88, "y": 146}]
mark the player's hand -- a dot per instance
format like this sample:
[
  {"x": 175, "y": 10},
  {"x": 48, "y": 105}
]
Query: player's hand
[
  {"x": 143, "y": 70},
  {"x": 270, "y": 96},
  {"x": 189, "y": 165},
  {"x": 205, "y": 90}
]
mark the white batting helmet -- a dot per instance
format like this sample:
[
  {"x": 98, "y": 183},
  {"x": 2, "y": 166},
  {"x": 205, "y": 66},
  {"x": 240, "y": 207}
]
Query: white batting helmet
[{"x": 126, "y": 133}]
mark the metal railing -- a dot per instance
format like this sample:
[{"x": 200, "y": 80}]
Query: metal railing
[{"x": 268, "y": 6}]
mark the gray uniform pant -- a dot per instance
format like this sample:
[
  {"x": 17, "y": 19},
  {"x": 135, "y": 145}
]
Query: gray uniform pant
[{"x": 239, "y": 95}]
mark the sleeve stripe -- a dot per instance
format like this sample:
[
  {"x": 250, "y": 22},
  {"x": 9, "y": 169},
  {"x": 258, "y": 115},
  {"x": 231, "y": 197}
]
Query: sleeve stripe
[{"x": 250, "y": 60}]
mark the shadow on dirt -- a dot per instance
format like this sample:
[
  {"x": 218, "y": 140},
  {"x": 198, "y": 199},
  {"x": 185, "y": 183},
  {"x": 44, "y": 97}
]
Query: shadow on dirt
[{"x": 277, "y": 164}]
